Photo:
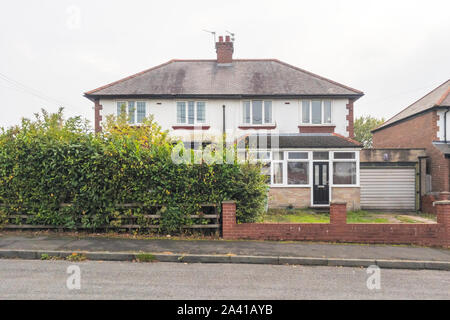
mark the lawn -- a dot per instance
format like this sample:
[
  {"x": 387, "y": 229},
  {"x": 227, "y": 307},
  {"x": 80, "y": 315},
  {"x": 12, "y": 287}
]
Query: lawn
[{"x": 360, "y": 216}]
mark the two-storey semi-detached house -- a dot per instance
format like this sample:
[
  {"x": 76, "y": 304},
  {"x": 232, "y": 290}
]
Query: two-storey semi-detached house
[
  {"x": 299, "y": 124},
  {"x": 424, "y": 124}
]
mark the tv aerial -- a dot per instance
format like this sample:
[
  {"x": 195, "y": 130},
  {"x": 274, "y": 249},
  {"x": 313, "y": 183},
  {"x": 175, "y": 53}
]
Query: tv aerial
[
  {"x": 213, "y": 34},
  {"x": 231, "y": 34}
]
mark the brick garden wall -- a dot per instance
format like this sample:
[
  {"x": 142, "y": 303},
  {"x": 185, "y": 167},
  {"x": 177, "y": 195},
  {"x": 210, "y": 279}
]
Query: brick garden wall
[{"x": 339, "y": 231}]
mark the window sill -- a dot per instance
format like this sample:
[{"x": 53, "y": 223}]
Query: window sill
[
  {"x": 267, "y": 126},
  {"x": 290, "y": 186},
  {"x": 316, "y": 128},
  {"x": 191, "y": 127},
  {"x": 345, "y": 186}
]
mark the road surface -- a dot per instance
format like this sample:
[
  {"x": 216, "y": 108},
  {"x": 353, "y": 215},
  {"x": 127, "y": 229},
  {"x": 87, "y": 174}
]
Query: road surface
[{"x": 35, "y": 279}]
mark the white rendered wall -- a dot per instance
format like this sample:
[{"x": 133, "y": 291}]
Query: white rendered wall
[{"x": 286, "y": 115}]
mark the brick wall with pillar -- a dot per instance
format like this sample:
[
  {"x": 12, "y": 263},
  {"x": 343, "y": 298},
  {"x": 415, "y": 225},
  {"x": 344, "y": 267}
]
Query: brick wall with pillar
[
  {"x": 338, "y": 230},
  {"x": 338, "y": 212},
  {"x": 228, "y": 218},
  {"x": 443, "y": 219}
]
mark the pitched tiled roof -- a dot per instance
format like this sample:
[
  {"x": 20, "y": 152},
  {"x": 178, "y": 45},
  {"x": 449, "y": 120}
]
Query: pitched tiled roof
[
  {"x": 299, "y": 140},
  {"x": 439, "y": 97},
  {"x": 240, "y": 78}
]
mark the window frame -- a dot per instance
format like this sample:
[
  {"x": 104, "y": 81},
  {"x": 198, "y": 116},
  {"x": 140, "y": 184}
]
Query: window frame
[
  {"x": 264, "y": 121},
  {"x": 322, "y": 109},
  {"x": 355, "y": 160},
  {"x": 310, "y": 160},
  {"x": 186, "y": 112},
  {"x": 135, "y": 113}
]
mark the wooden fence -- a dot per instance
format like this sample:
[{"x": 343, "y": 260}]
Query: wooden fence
[{"x": 207, "y": 220}]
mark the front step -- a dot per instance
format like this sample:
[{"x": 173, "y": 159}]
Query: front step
[{"x": 320, "y": 209}]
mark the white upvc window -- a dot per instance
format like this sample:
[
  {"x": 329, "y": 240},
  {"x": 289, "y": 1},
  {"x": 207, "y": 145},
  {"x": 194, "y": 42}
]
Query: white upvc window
[
  {"x": 293, "y": 168},
  {"x": 191, "y": 112},
  {"x": 136, "y": 110},
  {"x": 345, "y": 168},
  {"x": 257, "y": 112},
  {"x": 316, "y": 111},
  {"x": 297, "y": 168},
  {"x": 264, "y": 157}
]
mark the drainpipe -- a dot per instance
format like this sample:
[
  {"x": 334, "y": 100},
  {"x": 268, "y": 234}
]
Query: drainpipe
[
  {"x": 223, "y": 127},
  {"x": 445, "y": 125},
  {"x": 420, "y": 182}
]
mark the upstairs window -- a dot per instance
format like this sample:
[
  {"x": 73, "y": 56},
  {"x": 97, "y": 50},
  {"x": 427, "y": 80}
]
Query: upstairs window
[
  {"x": 316, "y": 111},
  {"x": 195, "y": 113},
  {"x": 140, "y": 111},
  {"x": 136, "y": 110},
  {"x": 257, "y": 112}
]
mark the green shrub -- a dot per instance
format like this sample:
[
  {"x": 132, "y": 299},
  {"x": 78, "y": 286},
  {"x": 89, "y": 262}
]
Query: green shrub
[{"x": 48, "y": 162}]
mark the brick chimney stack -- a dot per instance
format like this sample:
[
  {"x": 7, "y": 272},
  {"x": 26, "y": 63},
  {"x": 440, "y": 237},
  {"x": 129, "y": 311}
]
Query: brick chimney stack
[{"x": 224, "y": 50}]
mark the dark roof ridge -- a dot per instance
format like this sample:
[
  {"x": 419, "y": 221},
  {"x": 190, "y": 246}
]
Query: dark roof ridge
[{"x": 439, "y": 101}]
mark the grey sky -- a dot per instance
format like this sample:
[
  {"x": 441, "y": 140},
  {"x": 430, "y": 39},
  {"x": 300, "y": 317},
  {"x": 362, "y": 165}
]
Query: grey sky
[{"x": 394, "y": 51}]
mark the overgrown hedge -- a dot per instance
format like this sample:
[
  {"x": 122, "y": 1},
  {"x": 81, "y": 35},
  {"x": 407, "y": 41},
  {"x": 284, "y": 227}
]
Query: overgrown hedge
[{"x": 49, "y": 161}]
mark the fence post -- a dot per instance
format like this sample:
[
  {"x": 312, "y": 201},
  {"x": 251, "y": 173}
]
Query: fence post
[
  {"x": 228, "y": 218},
  {"x": 443, "y": 218},
  {"x": 338, "y": 212}
]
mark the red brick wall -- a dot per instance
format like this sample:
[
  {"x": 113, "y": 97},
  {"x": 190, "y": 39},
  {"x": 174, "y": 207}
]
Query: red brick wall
[
  {"x": 429, "y": 199},
  {"x": 97, "y": 116},
  {"x": 418, "y": 132},
  {"x": 443, "y": 219},
  {"x": 350, "y": 127},
  {"x": 339, "y": 231},
  {"x": 316, "y": 129}
]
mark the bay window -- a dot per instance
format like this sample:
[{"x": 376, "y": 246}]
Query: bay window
[
  {"x": 293, "y": 168},
  {"x": 316, "y": 111},
  {"x": 257, "y": 112},
  {"x": 191, "y": 112}
]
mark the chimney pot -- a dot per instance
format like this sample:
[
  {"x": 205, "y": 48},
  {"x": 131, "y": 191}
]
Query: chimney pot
[
  {"x": 227, "y": 38},
  {"x": 220, "y": 38}
]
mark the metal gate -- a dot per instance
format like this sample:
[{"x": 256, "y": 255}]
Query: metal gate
[{"x": 393, "y": 188}]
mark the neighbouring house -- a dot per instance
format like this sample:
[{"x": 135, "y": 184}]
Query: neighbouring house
[
  {"x": 299, "y": 124},
  {"x": 424, "y": 124}
]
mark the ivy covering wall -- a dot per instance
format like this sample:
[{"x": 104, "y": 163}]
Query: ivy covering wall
[{"x": 50, "y": 161}]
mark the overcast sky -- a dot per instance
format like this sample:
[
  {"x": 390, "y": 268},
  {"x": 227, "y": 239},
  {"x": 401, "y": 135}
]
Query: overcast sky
[{"x": 52, "y": 51}]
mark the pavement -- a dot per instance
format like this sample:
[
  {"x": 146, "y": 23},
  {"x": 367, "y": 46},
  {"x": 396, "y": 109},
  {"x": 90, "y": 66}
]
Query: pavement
[
  {"x": 36, "y": 279},
  {"x": 222, "y": 251}
]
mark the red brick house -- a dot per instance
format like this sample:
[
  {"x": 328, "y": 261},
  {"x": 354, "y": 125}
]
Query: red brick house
[{"x": 424, "y": 124}]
